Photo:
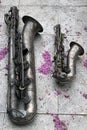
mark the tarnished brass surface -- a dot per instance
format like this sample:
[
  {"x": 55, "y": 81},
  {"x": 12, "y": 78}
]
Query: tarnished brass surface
[
  {"x": 65, "y": 66},
  {"x": 21, "y": 95}
]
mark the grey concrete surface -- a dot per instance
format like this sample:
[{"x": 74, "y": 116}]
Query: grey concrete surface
[{"x": 70, "y": 104}]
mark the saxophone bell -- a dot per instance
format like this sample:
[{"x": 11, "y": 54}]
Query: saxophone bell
[{"x": 75, "y": 51}]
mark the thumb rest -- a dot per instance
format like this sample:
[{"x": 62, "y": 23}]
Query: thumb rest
[
  {"x": 65, "y": 67},
  {"x": 21, "y": 94}
]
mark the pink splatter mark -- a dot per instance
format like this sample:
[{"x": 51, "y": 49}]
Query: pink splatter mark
[
  {"x": 6, "y": 67},
  {"x": 40, "y": 98},
  {"x": 78, "y": 33},
  {"x": 67, "y": 96},
  {"x": 85, "y": 96},
  {"x": 58, "y": 124},
  {"x": 85, "y": 63},
  {"x": 66, "y": 30},
  {"x": 85, "y": 28},
  {"x": 3, "y": 52},
  {"x": 73, "y": 117},
  {"x": 57, "y": 92},
  {"x": 80, "y": 92},
  {"x": 49, "y": 94},
  {"x": 46, "y": 67},
  {"x": 65, "y": 90},
  {"x": 46, "y": 56}
]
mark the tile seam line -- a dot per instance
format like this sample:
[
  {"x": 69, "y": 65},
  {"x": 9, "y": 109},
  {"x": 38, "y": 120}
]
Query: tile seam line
[
  {"x": 59, "y": 6},
  {"x": 19, "y": 4},
  {"x": 65, "y": 35},
  {"x": 55, "y": 5},
  {"x": 62, "y": 114},
  {"x": 52, "y": 114},
  {"x": 73, "y": 114},
  {"x": 53, "y": 34},
  {"x": 43, "y": 6},
  {"x": 3, "y": 122}
]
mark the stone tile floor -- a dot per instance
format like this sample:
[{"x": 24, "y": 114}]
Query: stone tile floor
[{"x": 57, "y": 107}]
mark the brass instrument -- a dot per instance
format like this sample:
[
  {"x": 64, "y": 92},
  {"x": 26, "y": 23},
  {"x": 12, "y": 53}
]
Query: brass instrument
[
  {"x": 21, "y": 94},
  {"x": 65, "y": 68}
]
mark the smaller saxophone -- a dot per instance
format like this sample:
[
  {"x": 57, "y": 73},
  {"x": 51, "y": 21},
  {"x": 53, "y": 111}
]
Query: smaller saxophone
[{"x": 65, "y": 67}]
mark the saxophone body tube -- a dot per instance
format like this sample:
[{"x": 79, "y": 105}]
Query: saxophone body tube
[{"x": 21, "y": 95}]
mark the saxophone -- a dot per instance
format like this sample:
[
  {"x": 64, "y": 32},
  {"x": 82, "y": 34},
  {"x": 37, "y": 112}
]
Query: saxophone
[
  {"x": 21, "y": 93},
  {"x": 65, "y": 67}
]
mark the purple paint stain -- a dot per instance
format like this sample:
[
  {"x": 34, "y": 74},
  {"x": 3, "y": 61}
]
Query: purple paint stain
[
  {"x": 57, "y": 92},
  {"x": 66, "y": 30},
  {"x": 58, "y": 124},
  {"x": 78, "y": 33},
  {"x": 46, "y": 56},
  {"x": 80, "y": 92},
  {"x": 46, "y": 67},
  {"x": 85, "y": 28},
  {"x": 3, "y": 52},
  {"x": 40, "y": 98},
  {"x": 49, "y": 94},
  {"x": 85, "y": 96},
  {"x": 6, "y": 67},
  {"x": 67, "y": 96},
  {"x": 85, "y": 63},
  {"x": 65, "y": 90}
]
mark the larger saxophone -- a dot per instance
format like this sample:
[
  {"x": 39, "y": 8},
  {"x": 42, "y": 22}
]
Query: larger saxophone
[
  {"x": 21, "y": 94},
  {"x": 65, "y": 66}
]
